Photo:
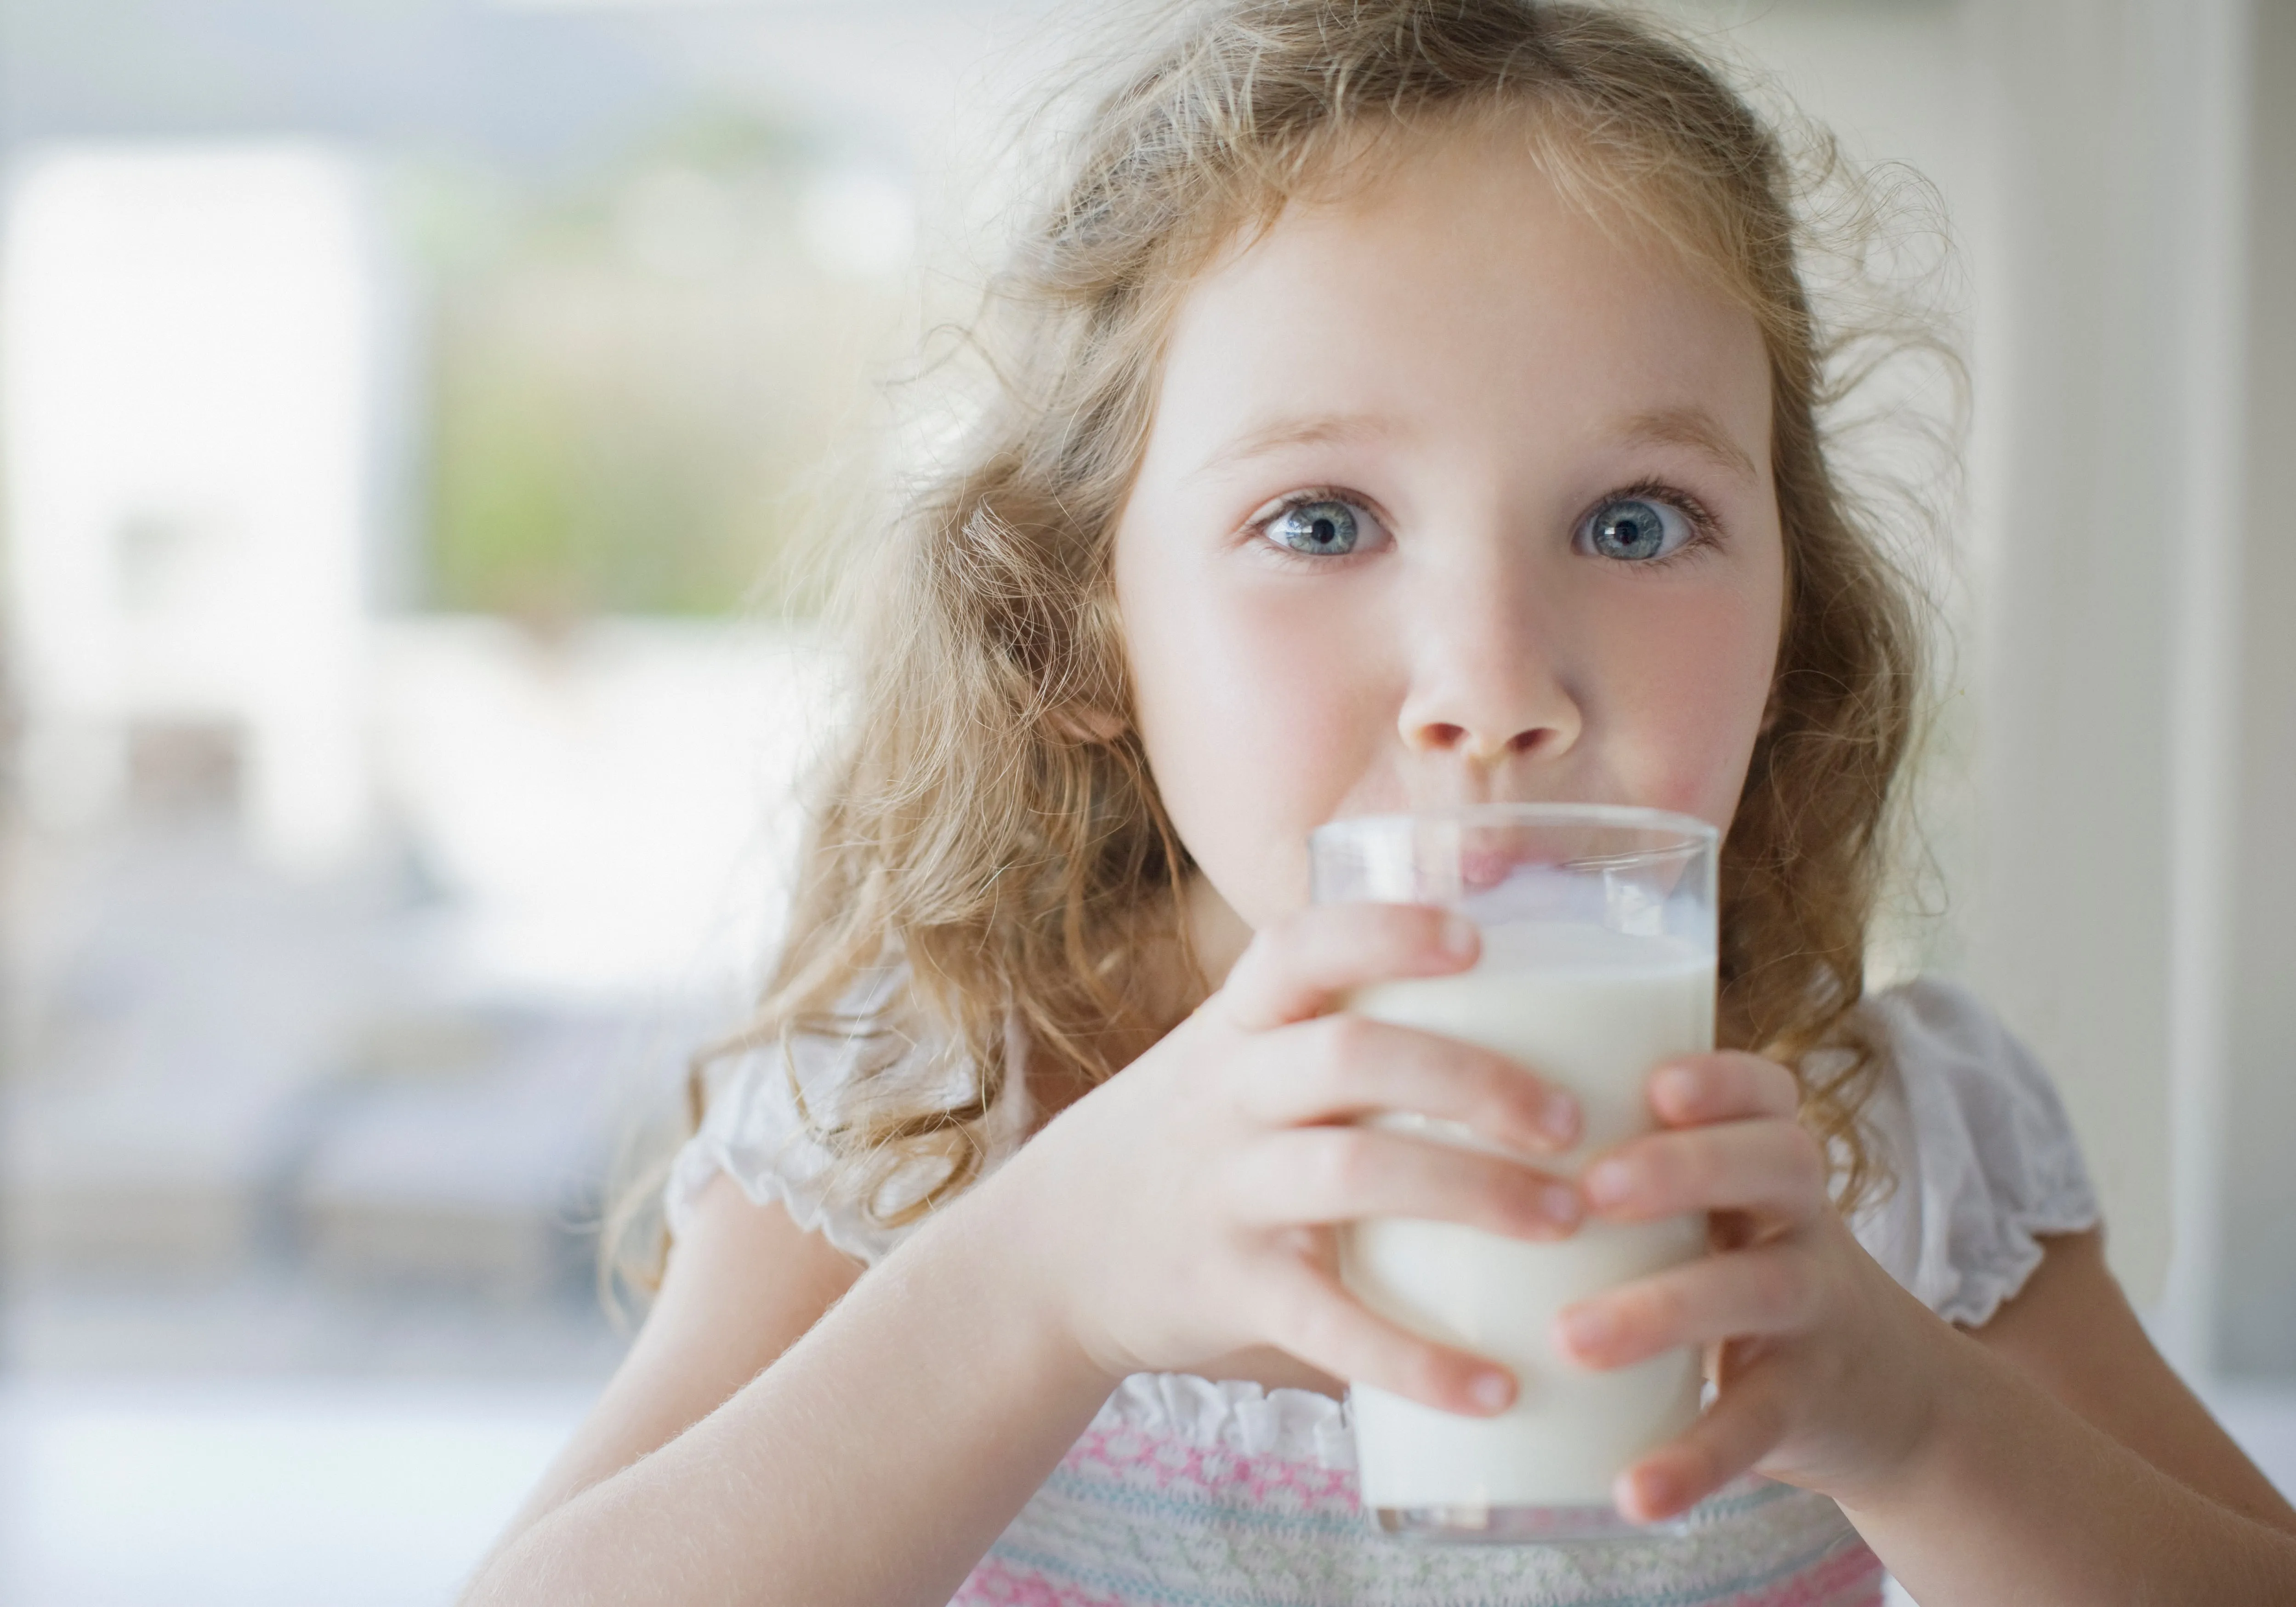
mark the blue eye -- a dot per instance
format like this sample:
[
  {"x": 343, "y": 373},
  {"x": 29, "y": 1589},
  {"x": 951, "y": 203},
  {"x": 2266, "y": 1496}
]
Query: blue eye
[
  {"x": 1633, "y": 528},
  {"x": 1326, "y": 528}
]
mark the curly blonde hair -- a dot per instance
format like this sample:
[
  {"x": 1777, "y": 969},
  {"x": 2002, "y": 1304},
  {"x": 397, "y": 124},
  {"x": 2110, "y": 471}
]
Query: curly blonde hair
[{"x": 991, "y": 823}]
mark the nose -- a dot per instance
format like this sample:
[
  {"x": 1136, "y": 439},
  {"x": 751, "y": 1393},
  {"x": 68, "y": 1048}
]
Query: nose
[{"x": 1489, "y": 684}]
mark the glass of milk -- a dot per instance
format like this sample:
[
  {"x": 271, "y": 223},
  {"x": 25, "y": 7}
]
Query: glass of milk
[{"x": 1598, "y": 927}]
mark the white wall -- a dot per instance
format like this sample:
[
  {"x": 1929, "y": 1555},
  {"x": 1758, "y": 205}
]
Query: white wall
[
  {"x": 2258, "y": 1283},
  {"x": 2122, "y": 178}
]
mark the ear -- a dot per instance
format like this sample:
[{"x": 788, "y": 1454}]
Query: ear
[{"x": 1082, "y": 723}]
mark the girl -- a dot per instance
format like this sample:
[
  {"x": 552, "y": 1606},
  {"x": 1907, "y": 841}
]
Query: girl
[{"x": 1409, "y": 400}]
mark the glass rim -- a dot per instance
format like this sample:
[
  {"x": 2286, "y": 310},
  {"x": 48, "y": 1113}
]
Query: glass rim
[{"x": 1693, "y": 832}]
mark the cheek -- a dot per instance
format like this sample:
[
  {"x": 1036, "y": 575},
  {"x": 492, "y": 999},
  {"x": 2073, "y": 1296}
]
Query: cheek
[
  {"x": 1254, "y": 713},
  {"x": 1689, "y": 716}
]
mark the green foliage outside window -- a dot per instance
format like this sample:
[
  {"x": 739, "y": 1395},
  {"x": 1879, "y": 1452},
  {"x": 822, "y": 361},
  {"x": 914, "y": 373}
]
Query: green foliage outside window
[{"x": 636, "y": 387}]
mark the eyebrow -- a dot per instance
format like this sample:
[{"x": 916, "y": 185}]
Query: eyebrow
[
  {"x": 1693, "y": 428},
  {"x": 1317, "y": 429},
  {"x": 1690, "y": 427}
]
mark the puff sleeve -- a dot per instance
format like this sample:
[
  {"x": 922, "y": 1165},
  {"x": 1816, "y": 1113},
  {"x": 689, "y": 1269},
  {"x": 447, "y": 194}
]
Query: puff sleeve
[
  {"x": 755, "y": 1129},
  {"x": 1984, "y": 1159}
]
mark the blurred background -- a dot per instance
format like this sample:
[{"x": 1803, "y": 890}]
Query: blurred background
[{"x": 413, "y": 414}]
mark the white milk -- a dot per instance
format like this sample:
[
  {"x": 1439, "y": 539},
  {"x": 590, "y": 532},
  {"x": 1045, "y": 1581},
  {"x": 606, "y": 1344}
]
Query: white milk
[{"x": 1593, "y": 1010}]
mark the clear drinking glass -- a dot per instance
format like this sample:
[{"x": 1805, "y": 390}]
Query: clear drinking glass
[{"x": 1598, "y": 926}]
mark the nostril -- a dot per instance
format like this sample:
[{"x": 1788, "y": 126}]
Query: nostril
[
  {"x": 1524, "y": 742},
  {"x": 1445, "y": 737}
]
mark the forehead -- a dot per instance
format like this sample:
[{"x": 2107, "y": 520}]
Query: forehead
[{"x": 1459, "y": 275}]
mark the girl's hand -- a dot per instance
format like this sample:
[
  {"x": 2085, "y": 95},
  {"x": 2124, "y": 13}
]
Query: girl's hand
[
  {"x": 1183, "y": 1210},
  {"x": 1826, "y": 1367}
]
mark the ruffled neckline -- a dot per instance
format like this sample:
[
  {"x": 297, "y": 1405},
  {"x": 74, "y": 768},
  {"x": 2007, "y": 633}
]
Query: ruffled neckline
[{"x": 1233, "y": 1414}]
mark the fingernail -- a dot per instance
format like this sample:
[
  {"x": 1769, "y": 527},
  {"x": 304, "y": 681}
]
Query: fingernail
[
  {"x": 1561, "y": 1204},
  {"x": 1608, "y": 1182},
  {"x": 1586, "y": 1329},
  {"x": 1655, "y": 1491},
  {"x": 1459, "y": 935},
  {"x": 1676, "y": 1085},
  {"x": 1491, "y": 1391},
  {"x": 1561, "y": 1118}
]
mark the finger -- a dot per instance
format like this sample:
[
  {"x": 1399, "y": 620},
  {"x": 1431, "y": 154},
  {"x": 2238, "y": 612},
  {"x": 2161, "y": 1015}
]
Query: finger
[
  {"x": 1343, "y": 1066},
  {"x": 1728, "y": 1087},
  {"x": 1772, "y": 1168},
  {"x": 1309, "y": 1314},
  {"x": 1743, "y": 1424},
  {"x": 1770, "y": 1291},
  {"x": 1308, "y": 961},
  {"x": 1326, "y": 1174}
]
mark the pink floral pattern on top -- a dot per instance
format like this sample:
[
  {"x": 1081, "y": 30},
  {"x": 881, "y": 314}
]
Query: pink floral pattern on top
[
  {"x": 1168, "y": 1459},
  {"x": 1184, "y": 1493}
]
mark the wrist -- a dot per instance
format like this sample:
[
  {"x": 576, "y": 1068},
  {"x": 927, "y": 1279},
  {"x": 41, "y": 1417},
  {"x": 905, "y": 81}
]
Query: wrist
[
  {"x": 988, "y": 1244},
  {"x": 1959, "y": 1392}
]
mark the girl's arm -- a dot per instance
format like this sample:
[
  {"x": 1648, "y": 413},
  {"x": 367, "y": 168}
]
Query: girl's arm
[
  {"x": 744, "y": 1283},
  {"x": 874, "y": 1461},
  {"x": 2107, "y": 1482},
  {"x": 2051, "y": 1459},
  {"x": 2072, "y": 1329}
]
